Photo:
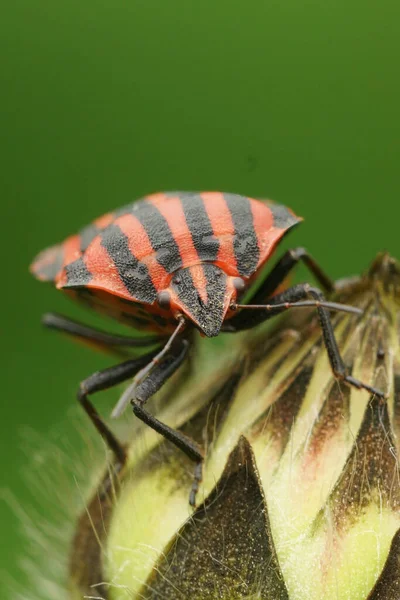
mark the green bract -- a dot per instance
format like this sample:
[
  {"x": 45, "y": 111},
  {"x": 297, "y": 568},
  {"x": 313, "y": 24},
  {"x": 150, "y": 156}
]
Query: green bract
[{"x": 301, "y": 495}]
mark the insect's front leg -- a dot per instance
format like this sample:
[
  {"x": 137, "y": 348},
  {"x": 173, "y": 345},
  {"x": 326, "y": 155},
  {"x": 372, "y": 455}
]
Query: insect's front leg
[
  {"x": 251, "y": 315},
  {"x": 149, "y": 386},
  {"x": 275, "y": 278},
  {"x": 285, "y": 265}
]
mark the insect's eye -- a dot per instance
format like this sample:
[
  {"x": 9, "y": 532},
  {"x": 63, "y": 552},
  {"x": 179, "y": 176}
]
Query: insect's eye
[
  {"x": 164, "y": 300},
  {"x": 239, "y": 284}
]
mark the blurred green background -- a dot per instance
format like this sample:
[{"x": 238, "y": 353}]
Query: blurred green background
[{"x": 104, "y": 101}]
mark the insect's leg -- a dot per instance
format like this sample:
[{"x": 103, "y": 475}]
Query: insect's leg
[
  {"x": 181, "y": 441},
  {"x": 153, "y": 382},
  {"x": 143, "y": 373},
  {"x": 282, "y": 269},
  {"x": 96, "y": 337},
  {"x": 103, "y": 380},
  {"x": 277, "y": 276},
  {"x": 292, "y": 298}
]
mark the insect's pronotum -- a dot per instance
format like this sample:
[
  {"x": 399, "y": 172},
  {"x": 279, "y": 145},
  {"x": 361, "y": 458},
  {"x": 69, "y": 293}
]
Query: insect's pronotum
[{"x": 170, "y": 263}]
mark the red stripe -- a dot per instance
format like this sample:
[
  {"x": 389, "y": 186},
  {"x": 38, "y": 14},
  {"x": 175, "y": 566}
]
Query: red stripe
[
  {"x": 222, "y": 224},
  {"x": 268, "y": 236},
  {"x": 263, "y": 220},
  {"x": 199, "y": 281},
  {"x": 71, "y": 247},
  {"x": 104, "y": 272},
  {"x": 171, "y": 210},
  {"x": 104, "y": 220}
]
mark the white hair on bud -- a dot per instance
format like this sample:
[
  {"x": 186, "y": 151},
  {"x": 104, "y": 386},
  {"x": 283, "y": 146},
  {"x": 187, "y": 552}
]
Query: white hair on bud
[{"x": 58, "y": 475}]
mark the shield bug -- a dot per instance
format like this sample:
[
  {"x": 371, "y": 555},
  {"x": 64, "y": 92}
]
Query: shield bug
[{"x": 171, "y": 263}]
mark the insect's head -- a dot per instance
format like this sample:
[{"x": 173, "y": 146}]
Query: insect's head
[{"x": 203, "y": 293}]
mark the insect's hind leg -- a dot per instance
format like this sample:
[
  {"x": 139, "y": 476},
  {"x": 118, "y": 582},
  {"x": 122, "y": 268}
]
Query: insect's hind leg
[
  {"x": 101, "y": 339},
  {"x": 151, "y": 384},
  {"x": 103, "y": 380}
]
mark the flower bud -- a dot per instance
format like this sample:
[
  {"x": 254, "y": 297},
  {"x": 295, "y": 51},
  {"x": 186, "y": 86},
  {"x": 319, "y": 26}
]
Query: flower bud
[{"x": 300, "y": 495}]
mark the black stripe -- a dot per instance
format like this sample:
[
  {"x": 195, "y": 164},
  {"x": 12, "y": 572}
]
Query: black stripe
[
  {"x": 208, "y": 315},
  {"x": 87, "y": 235},
  {"x": 283, "y": 218},
  {"x": 51, "y": 270},
  {"x": 134, "y": 319},
  {"x": 77, "y": 274},
  {"x": 185, "y": 288},
  {"x": 245, "y": 242},
  {"x": 216, "y": 287},
  {"x": 133, "y": 272},
  {"x": 199, "y": 224},
  {"x": 160, "y": 235},
  {"x": 124, "y": 210}
]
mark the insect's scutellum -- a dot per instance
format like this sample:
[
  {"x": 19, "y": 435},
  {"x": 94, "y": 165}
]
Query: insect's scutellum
[{"x": 171, "y": 263}]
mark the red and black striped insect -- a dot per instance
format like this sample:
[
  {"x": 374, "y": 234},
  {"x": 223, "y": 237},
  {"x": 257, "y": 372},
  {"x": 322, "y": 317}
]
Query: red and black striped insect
[{"x": 171, "y": 263}]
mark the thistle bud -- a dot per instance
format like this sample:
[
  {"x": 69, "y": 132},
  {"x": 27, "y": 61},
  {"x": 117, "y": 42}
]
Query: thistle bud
[{"x": 300, "y": 497}]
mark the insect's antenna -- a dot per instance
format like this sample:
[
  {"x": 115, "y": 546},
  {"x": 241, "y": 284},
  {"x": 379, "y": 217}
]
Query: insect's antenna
[{"x": 336, "y": 306}]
